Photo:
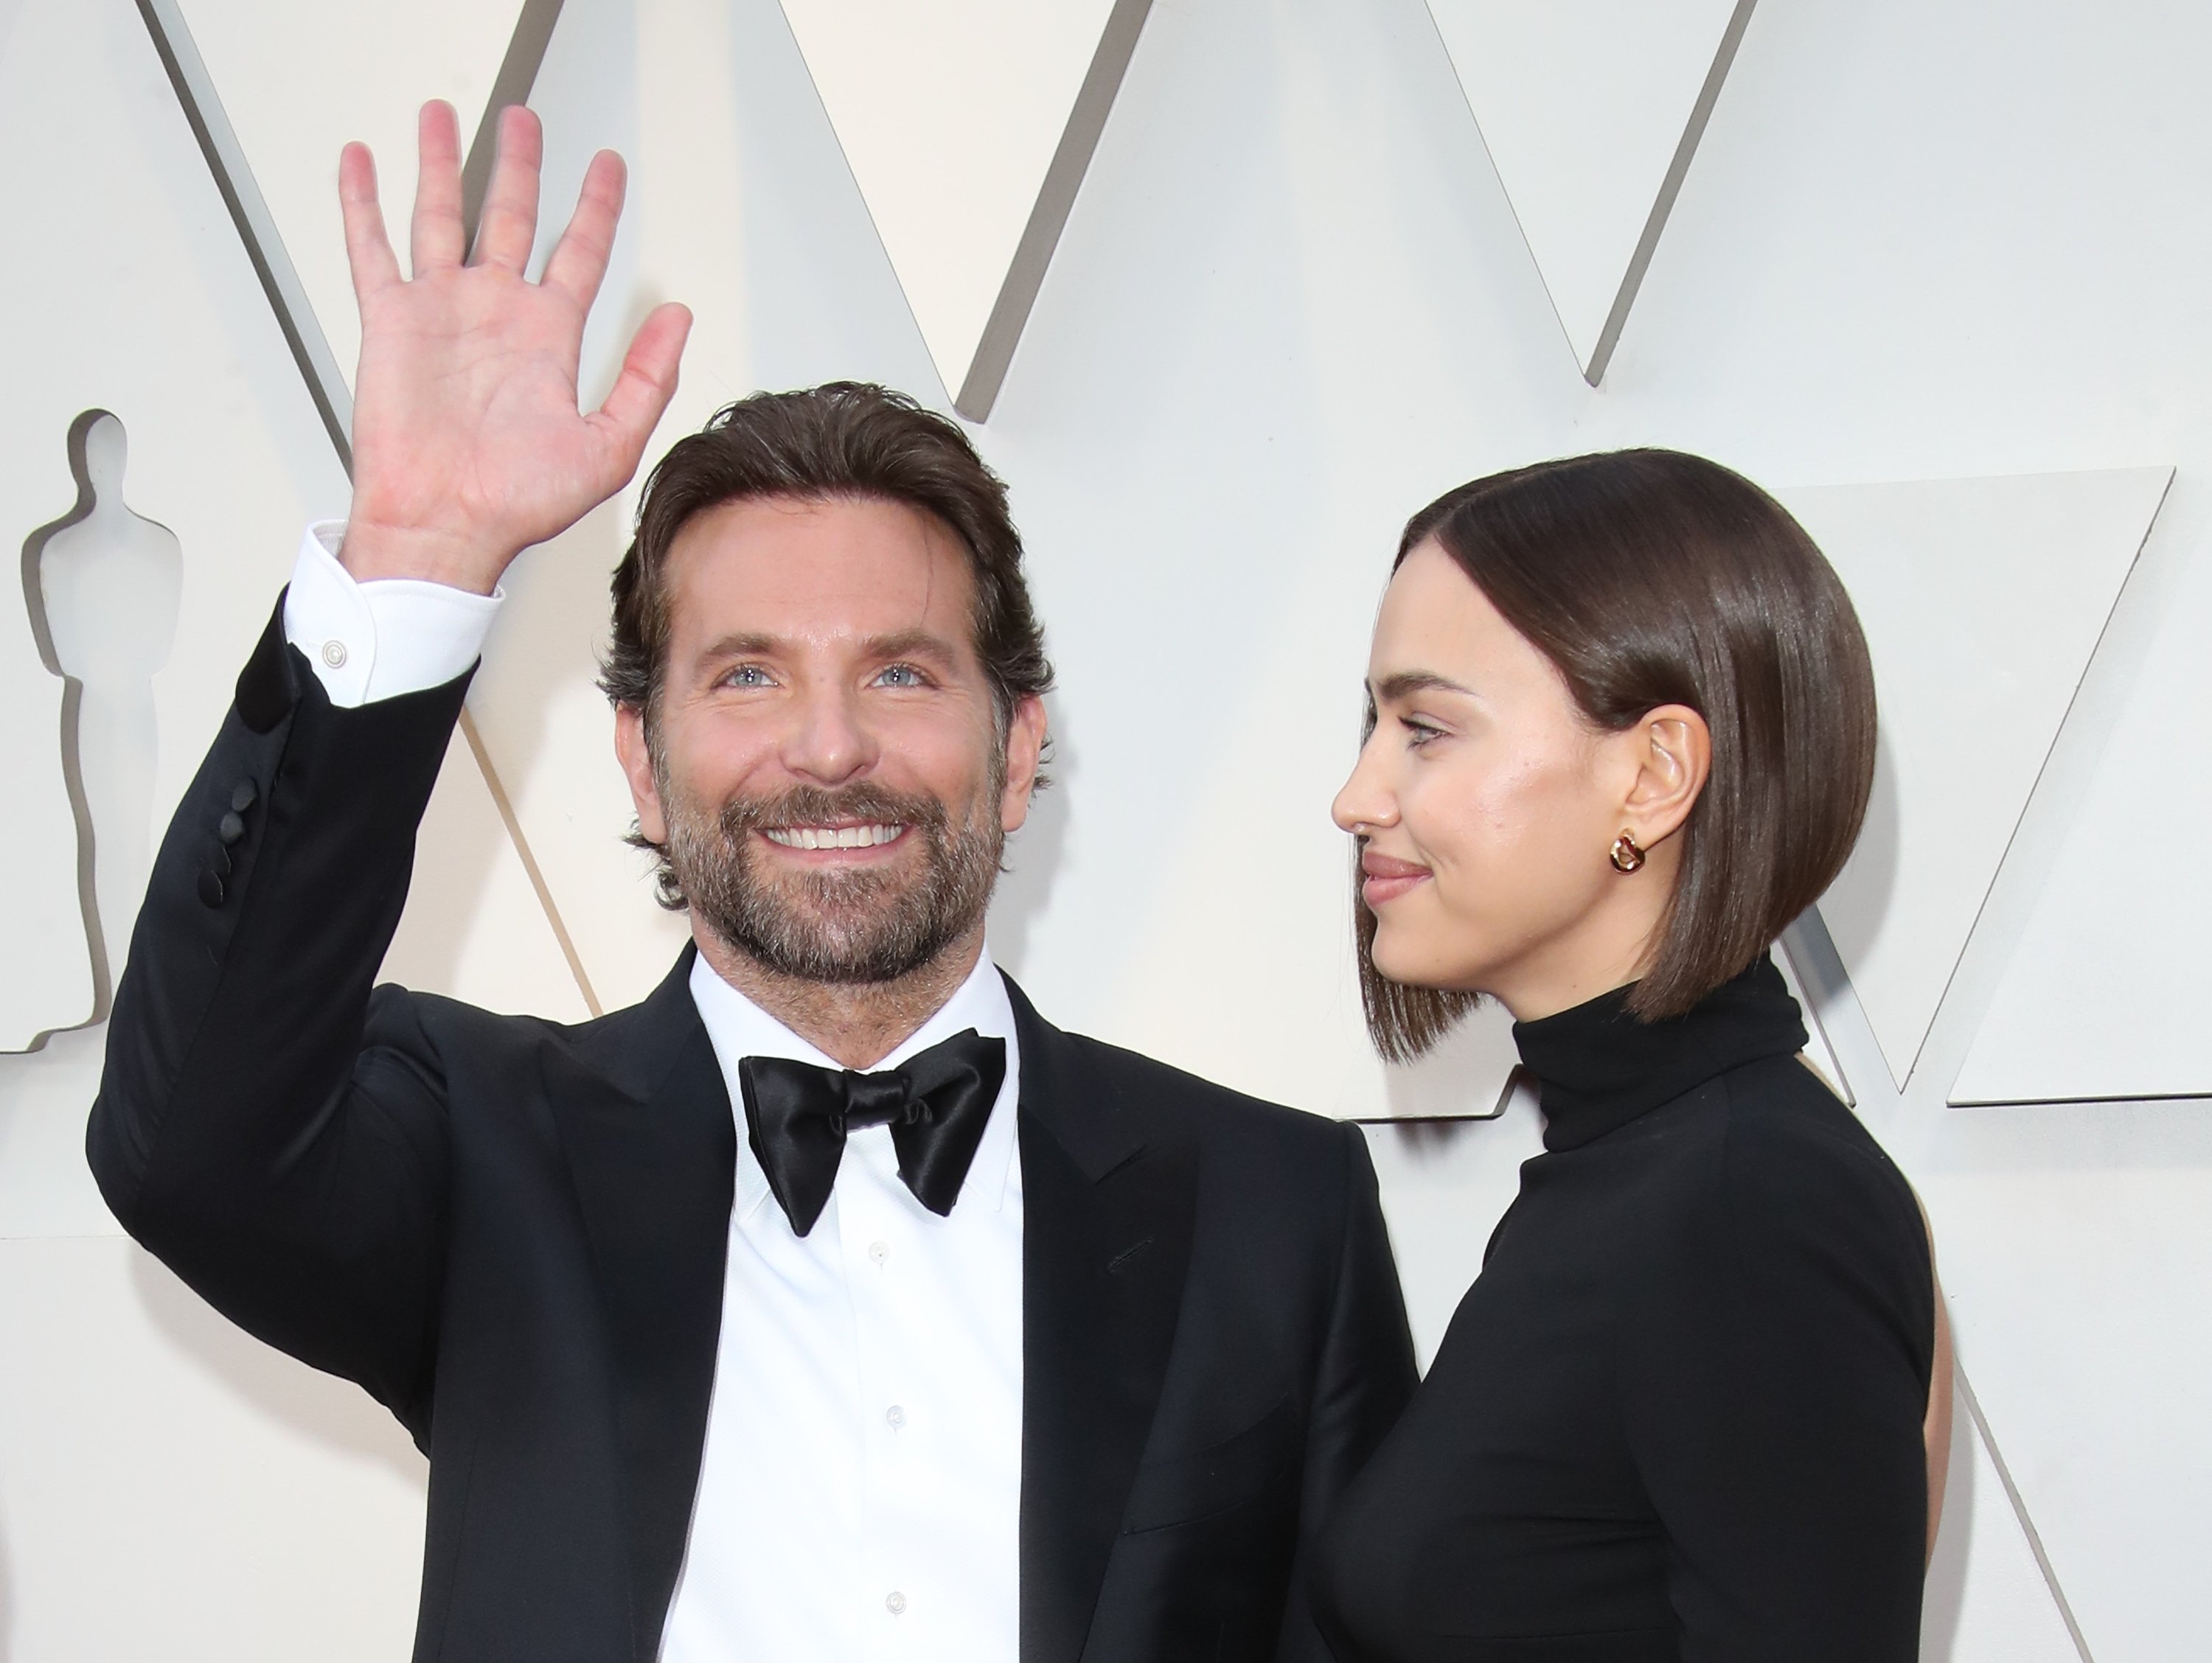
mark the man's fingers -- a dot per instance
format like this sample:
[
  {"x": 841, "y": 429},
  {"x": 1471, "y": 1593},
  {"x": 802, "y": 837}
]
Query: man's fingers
[
  {"x": 509, "y": 225},
  {"x": 643, "y": 389},
  {"x": 369, "y": 251},
  {"x": 436, "y": 237},
  {"x": 579, "y": 260}
]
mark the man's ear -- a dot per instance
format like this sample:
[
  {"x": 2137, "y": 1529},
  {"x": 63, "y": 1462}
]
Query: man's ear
[
  {"x": 1672, "y": 752},
  {"x": 636, "y": 760},
  {"x": 1026, "y": 737}
]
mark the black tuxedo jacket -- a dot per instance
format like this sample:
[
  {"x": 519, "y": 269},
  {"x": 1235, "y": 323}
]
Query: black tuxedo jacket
[{"x": 512, "y": 1232}]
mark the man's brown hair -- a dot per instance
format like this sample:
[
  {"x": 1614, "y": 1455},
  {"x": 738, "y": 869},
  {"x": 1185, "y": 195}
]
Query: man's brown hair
[
  {"x": 849, "y": 440},
  {"x": 1652, "y": 578},
  {"x": 843, "y": 439}
]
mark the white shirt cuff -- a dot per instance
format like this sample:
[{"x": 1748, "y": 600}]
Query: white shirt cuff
[{"x": 380, "y": 639}]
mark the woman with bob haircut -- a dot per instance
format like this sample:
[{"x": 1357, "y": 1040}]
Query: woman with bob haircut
[{"x": 1696, "y": 1406}]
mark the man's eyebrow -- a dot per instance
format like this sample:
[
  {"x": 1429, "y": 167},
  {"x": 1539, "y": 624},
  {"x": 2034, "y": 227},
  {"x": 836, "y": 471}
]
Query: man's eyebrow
[
  {"x": 1404, "y": 684},
  {"x": 911, "y": 644},
  {"x": 743, "y": 644},
  {"x": 901, "y": 644}
]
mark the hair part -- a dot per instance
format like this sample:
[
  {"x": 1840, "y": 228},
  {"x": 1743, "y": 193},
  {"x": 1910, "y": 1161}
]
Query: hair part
[
  {"x": 1651, "y": 578},
  {"x": 841, "y": 441}
]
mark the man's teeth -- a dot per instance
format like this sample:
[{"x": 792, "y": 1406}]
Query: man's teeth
[{"x": 832, "y": 837}]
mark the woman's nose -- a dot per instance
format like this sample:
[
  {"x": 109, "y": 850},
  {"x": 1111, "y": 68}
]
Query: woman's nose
[{"x": 1364, "y": 802}]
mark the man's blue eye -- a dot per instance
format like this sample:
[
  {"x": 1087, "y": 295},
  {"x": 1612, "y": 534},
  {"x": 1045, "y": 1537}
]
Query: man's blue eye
[
  {"x": 748, "y": 675},
  {"x": 900, "y": 675}
]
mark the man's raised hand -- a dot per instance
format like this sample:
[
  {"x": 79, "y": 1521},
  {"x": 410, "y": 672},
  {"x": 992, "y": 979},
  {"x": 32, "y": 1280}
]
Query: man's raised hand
[{"x": 469, "y": 444}]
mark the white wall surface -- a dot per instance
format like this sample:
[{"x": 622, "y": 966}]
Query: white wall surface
[{"x": 1921, "y": 240}]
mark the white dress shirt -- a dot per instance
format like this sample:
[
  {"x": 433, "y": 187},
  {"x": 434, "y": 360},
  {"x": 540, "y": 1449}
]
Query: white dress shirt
[
  {"x": 860, "y": 1492},
  {"x": 378, "y": 639}
]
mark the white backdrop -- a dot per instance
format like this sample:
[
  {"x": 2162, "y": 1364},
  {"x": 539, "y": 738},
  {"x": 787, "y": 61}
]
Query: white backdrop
[{"x": 1934, "y": 272}]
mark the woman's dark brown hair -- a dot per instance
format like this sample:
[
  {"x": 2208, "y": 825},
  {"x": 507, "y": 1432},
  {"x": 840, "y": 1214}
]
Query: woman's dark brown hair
[
  {"x": 841, "y": 439},
  {"x": 1651, "y": 578}
]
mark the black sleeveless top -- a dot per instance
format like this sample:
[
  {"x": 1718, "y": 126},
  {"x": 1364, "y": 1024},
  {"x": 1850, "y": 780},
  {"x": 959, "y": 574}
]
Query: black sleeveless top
[{"x": 1677, "y": 1418}]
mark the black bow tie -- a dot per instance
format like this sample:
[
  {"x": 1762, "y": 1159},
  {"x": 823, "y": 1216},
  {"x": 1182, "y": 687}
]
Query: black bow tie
[{"x": 935, "y": 1102}]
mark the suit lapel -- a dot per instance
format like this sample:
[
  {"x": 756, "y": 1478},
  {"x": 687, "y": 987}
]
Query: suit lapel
[
  {"x": 1106, "y": 1216},
  {"x": 645, "y": 1118}
]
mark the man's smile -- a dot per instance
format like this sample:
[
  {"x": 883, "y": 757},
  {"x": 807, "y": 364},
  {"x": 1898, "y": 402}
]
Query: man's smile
[{"x": 865, "y": 835}]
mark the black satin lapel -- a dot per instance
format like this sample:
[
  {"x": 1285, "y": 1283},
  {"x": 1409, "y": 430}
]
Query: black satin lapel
[
  {"x": 654, "y": 1177},
  {"x": 1103, "y": 1263}
]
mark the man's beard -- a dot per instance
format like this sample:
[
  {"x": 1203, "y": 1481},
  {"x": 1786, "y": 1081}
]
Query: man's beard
[{"x": 872, "y": 924}]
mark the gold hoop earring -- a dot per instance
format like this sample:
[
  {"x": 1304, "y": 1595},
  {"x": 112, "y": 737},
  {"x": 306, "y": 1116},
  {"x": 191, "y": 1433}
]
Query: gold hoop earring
[{"x": 1627, "y": 854}]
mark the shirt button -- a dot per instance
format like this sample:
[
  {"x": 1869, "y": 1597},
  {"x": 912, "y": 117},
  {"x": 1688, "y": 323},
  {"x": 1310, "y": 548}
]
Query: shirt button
[
  {"x": 879, "y": 1250},
  {"x": 894, "y": 1602},
  {"x": 896, "y": 1416},
  {"x": 334, "y": 654}
]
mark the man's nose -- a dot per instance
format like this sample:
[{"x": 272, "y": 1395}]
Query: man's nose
[{"x": 829, "y": 741}]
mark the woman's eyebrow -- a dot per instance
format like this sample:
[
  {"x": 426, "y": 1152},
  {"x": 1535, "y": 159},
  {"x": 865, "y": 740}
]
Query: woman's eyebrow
[{"x": 1404, "y": 684}]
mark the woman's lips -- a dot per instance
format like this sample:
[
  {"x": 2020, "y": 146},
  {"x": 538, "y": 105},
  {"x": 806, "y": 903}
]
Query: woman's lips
[{"x": 1386, "y": 879}]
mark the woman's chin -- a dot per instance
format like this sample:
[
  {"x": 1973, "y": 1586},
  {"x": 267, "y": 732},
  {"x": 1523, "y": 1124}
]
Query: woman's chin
[{"x": 1407, "y": 965}]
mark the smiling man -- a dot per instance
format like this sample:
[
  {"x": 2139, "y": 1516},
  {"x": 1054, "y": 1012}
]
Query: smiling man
[{"x": 831, "y": 1303}]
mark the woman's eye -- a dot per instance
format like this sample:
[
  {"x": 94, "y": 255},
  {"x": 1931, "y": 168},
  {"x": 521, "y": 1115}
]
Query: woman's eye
[
  {"x": 899, "y": 674},
  {"x": 1419, "y": 732}
]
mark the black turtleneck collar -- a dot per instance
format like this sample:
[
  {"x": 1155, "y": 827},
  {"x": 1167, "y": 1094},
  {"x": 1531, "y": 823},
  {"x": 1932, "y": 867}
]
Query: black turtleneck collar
[{"x": 1598, "y": 1068}]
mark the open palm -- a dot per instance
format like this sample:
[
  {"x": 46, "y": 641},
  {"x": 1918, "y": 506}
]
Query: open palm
[{"x": 469, "y": 442}]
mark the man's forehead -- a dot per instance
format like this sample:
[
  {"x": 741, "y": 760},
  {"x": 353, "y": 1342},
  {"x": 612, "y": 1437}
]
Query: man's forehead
[{"x": 837, "y": 568}]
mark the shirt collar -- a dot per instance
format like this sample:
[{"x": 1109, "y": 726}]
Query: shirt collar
[
  {"x": 1598, "y": 1066},
  {"x": 739, "y": 1029}
]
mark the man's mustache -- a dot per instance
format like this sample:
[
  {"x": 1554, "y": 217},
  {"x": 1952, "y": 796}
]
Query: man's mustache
[{"x": 863, "y": 802}]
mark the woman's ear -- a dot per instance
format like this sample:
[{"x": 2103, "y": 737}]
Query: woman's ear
[{"x": 1672, "y": 750}]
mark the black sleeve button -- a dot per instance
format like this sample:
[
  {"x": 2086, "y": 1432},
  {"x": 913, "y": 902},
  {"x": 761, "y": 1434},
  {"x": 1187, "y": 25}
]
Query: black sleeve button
[
  {"x": 230, "y": 829},
  {"x": 242, "y": 796},
  {"x": 219, "y": 861},
  {"x": 210, "y": 888}
]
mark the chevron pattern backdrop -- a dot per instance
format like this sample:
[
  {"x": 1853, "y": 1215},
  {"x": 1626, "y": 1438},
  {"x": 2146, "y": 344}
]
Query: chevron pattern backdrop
[{"x": 1225, "y": 288}]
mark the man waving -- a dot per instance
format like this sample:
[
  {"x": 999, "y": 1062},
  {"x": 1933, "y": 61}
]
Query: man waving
[{"x": 829, "y": 1303}]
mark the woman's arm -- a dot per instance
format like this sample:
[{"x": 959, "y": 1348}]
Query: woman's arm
[
  {"x": 1936, "y": 1431},
  {"x": 1776, "y": 1390}
]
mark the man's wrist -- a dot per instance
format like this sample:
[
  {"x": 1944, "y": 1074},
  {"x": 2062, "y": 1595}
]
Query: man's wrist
[
  {"x": 372, "y": 553},
  {"x": 379, "y": 639}
]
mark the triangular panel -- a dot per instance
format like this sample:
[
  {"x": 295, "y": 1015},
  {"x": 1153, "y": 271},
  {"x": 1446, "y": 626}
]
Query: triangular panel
[
  {"x": 2101, "y": 995},
  {"x": 154, "y": 314},
  {"x": 1591, "y": 109},
  {"x": 474, "y": 928},
  {"x": 1989, "y": 1598},
  {"x": 1981, "y": 601},
  {"x": 159, "y": 318},
  {"x": 296, "y": 79},
  {"x": 968, "y": 127}
]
